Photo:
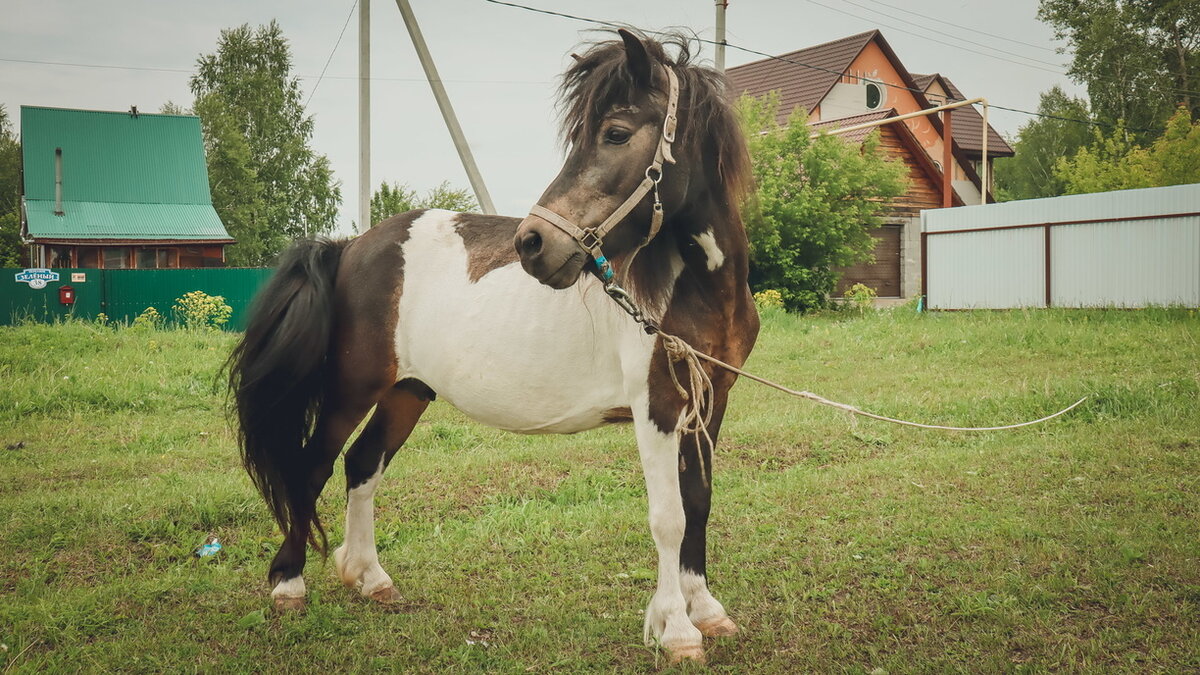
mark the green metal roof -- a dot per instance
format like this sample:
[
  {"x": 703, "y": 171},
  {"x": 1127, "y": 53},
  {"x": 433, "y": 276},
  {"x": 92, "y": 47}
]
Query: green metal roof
[{"x": 123, "y": 176}]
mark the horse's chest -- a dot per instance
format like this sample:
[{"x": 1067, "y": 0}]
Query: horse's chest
[{"x": 506, "y": 350}]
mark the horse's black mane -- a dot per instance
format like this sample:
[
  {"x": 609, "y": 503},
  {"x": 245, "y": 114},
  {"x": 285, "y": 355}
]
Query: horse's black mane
[{"x": 600, "y": 79}]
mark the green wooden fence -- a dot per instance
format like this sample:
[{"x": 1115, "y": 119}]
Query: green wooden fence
[{"x": 123, "y": 294}]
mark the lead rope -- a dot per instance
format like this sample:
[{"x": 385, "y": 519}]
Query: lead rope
[{"x": 699, "y": 393}]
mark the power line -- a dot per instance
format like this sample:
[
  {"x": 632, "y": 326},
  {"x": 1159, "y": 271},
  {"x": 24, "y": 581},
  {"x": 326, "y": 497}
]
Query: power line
[
  {"x": 773, "y": 57},
  {"x": 331, "y": 53},
  {"x": 99, "y": 65},
  {"x": 188, "y": 71},
  {"x": 944, "y": 36},
  {"x": 961, "y": 27}
]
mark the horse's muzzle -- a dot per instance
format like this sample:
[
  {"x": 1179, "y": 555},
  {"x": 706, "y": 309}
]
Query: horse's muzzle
[{"x": 548, "y": 254}]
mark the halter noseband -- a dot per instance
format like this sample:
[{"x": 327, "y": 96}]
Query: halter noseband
[{"x": 592, "y": 238}]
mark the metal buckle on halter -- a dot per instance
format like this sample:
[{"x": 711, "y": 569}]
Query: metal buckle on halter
[
  {"x": 657, "y": 177},
  {"x": 669, "y": 128},
  {"x": 590, "y": 240}
]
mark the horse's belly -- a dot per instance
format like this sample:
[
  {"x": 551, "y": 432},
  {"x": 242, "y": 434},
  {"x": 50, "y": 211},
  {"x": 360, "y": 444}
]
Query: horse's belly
[{"x": 506, "y": 350}]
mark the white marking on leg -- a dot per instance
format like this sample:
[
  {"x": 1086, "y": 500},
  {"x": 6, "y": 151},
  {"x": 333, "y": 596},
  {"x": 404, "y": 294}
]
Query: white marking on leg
[
  {"x": 666, "y": 616},
  {"x": 708, "y": 242},
  {"x": 289, "y": 588},
  {"x": 702, "y": 606},
  {"x": 357, "y": 559}
]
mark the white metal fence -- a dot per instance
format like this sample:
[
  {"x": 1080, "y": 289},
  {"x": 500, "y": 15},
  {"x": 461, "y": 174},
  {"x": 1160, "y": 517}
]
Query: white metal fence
[{"x": 1130, "y": 248}]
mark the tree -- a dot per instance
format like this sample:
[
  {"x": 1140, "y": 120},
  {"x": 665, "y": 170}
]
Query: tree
[
  {"x": 1138, "y": 58},
  {"x": 10, "y": 193},
  {"x": 269, "y": 187},
  {"x": 817, "y": 200},
  {"x": 394, "y": 198},
  {"x": 1113, "y": 162},
  {"x": 1040, "y": 143}
]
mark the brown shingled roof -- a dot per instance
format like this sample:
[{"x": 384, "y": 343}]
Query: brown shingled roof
[
  {"x": 842, "y": 122},
  {"x": 799, "y": 86},
  {"x": 968, "y": 123}
]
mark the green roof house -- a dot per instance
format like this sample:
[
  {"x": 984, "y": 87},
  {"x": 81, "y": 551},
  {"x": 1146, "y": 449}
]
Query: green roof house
[{"x": 117, "y": 190}]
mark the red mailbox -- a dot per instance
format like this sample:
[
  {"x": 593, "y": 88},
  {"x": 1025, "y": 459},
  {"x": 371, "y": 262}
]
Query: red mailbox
[{"x": 66, "y": 295}]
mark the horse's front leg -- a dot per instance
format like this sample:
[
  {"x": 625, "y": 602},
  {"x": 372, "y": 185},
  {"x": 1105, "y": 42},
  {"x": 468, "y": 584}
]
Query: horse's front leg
[
  {"x": 667, "y": 619},
  {"x": 695, "y": 484}
]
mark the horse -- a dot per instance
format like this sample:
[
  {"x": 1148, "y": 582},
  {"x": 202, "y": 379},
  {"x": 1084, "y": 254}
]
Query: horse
[{"x": 513, "y": 321}]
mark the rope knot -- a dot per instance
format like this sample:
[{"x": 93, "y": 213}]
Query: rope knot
[{"x": 697, "y": 395}]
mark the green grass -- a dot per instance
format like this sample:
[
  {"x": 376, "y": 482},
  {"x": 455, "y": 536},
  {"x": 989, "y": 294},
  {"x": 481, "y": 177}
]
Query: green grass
[{"x": 838, "y": 545}]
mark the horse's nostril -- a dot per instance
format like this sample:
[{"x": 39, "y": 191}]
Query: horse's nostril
[{"x": 531, "y": 243}]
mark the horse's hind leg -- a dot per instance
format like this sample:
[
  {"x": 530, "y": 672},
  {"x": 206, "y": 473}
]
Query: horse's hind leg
[
  {"x": 333, "y": 428},
  {"x": 357, "y": 560}
]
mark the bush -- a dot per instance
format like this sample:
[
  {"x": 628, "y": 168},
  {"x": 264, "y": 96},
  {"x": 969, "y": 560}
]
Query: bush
[
  {"x": 200, "y": 310},
  {"x": 860, "y": 296},
  {"x": 816, "y": 201},
  {"x": 149, "y": 319}
]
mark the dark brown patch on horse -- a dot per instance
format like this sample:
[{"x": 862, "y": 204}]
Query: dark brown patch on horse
[
  {"x": 489, "y": 242},
  {"x": 418, "y": 389},
  {"x": 365, "y": 324},
  {"x": 618, "y": 416}
]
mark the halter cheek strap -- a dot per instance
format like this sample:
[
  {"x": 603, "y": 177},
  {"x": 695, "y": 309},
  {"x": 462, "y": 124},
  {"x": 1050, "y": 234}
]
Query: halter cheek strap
[{"x": 592, "y": 238}]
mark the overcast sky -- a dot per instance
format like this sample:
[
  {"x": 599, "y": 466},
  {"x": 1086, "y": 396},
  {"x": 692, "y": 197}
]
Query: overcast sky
[{"x": 499, "y": 64}]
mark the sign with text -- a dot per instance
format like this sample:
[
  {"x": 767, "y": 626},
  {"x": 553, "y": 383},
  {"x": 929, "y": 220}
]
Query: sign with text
[{"x": 36, "y": 277}]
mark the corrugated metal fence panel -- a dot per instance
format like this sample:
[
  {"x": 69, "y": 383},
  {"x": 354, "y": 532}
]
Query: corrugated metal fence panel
[
  {"x": 20, "y": 302},
  {"x": 124, "y": 294},
  {"x": 1126, "y": 264},
  {"x": 986, "y": 270},
  {"x": 130, "y": 292},
  {"x": 1097, "y": 206},
  {"x": 1127, "y": 248}
]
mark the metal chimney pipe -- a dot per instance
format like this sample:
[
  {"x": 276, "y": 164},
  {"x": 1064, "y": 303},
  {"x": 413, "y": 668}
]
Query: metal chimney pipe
[{"x": 58, "y": 210}]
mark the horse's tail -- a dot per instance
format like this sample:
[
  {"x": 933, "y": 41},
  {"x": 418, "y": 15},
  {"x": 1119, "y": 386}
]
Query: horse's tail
[{"x": 277, "y": 377}]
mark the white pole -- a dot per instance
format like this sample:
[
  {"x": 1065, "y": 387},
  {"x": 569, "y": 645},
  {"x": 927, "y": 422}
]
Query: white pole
[
  {"x": 719, "y": 59},
  {"x": 364, "y": 115},
  {"x": 984, "y": 171},
  {"x": 443, "y": 101}
]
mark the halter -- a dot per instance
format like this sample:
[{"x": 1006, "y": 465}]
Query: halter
[{"x": 592, "y": 238}]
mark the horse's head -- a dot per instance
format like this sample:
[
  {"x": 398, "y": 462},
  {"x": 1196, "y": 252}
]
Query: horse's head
[{"x": 620, "y": 126}]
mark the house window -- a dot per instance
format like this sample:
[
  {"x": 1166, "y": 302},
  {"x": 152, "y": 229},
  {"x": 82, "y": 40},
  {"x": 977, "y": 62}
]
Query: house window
[
  {"x": 60, "y": 256},
  {"x": 116, "y": 258},
  {"x": 155, "y": 258},
  {"x": 89, "y": 256},
  {"x": 874, "y": 95}
]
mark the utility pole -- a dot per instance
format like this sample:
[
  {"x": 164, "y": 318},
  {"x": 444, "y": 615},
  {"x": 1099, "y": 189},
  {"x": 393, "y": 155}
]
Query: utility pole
[
  {"x": 364, "y": 116},
  {"x": 719, "y": 59},
  {"x": 443, "y": 101}
]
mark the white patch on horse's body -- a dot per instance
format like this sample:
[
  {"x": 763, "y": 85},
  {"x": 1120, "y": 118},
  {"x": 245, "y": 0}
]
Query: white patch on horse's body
[
  {"x": 357, "y": 560},
  {"x": 708, "y": 242},
  {"x": 506, "y": 350},
  {"x": 666, "y": 617},
  {"x": 289, "y": 588}
]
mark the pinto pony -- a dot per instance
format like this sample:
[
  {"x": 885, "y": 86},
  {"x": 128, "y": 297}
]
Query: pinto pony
[{"x": 511, "y": 322}]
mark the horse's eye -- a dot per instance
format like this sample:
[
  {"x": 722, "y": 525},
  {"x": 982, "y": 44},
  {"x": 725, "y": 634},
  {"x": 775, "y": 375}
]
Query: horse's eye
[{"x": 616, "y": 136}]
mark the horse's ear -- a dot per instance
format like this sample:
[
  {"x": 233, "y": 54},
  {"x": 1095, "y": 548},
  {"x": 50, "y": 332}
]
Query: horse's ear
[{"x": 638, "y": 58}]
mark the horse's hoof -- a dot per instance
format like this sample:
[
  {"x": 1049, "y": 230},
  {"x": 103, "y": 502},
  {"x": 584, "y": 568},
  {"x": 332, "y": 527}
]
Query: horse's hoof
[
  {"x": 692, "y": 653},
  {"x": 388, "y": 595},
  {"x": 718, "y": 627},
  {"x": 289, "y": 605}
]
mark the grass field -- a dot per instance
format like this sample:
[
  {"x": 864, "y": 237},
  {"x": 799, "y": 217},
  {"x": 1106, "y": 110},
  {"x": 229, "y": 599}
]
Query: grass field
[{"x": 838, "y": 545}]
